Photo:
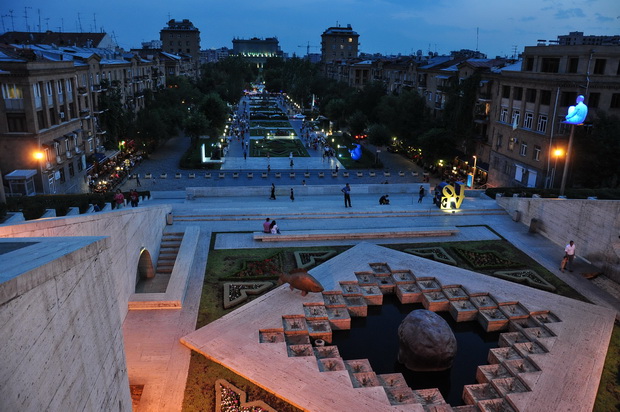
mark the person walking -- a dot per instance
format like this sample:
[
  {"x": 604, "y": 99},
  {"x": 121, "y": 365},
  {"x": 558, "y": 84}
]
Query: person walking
[
  {"x": 138, "y": 180},
  {"x": 119, "y": 199},
  {"x": 292, "y": 195},
  {"x": 421, "y": 194},
  {"x": 569, "y": 256},
  {"x": 347, "y": 195},
  {"x": 273, "y": 192},
  {"x": 134, "y": 198}
]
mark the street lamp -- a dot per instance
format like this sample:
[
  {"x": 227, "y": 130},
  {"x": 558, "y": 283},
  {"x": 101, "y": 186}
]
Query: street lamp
[
  {"x": 473, "y": 173},
  {"x": 575, "y": 117},
  {"x": 556, "y": 153}
]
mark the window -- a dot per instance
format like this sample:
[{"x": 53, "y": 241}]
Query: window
[
  {"x": 503, "y": 115},
  {"x": 542, "y": 124},
  {"x": 593, "y": 100},
  {"x": 518, "y": 93},
  {"x": 430, "y": 96},
  {"x": 507, "y": 167},
  {"x": 63, "y": 178},
  {"x": 12, "y": 91},
  {"x": 550, "y": 65},
  {"x": 599, "y": 66},
  {"x": 59, "y": 86},
  {"x": 568, "y": 98},
  {"x": 516, "y": 116},
  {"x": 529, "y": 64},
  {"x": 573, "y": 64},
  {"x": 40, "y": 120},
  {"x": 500, "y": 137},
  {"x": 528, "y": 120},
  {"x": 91, "y": 145},
  {"x": 615, "y": 101},
  {"x": 506, "y": 92},
  {"x": 49, "y": 88},
  {"x": 530, "y": 95},
  {"x": 69, "y": 86},
  {"x": 71, "y": 170},
  {"x": 523, "y": 149},
  {"x": 16, "y": 122},
  {"x": 537, "y": 153},
  {"x": 545, "y": 97}
]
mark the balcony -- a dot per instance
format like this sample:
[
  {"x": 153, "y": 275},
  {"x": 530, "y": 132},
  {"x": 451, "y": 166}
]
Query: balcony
[
  {"x": 82, "y": 91},
  {"x": 68, "y": 154},
  {"x": 14, "y": 105}
]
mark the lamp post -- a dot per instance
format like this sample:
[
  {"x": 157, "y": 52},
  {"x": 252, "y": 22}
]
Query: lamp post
[
  {"x": 576, "y": 115},
  {"x": 556, "y": 153},
  {"x": 473, "y": 173}
]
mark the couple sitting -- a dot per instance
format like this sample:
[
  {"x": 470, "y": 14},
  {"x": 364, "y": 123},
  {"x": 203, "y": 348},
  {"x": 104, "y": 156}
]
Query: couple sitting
[{"x": 270, "y": 227}]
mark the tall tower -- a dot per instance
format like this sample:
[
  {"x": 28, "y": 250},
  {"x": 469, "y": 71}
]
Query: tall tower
[
  {"x": 339, "y": 43},
  {"x": 181, "y": 37}
]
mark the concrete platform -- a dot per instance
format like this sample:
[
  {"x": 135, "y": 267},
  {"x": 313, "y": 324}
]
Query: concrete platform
[
  {"x": 570, "y": 369},
  {"x": 336, "y": 234}
]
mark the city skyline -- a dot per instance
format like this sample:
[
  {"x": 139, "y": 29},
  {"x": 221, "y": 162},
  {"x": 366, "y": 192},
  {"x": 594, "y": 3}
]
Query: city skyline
[{"x": 385, "y": 26}]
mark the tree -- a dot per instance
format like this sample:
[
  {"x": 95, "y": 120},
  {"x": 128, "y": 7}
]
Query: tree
[
  {"x": 196, "y": 125},
  {"x": 357, "y": 123},
  {"x": 378, "y": 134},
  {"x": 215, "y": 111},
  {"x": 436, "y": 143},
  {"x": 595, "y": 154}
]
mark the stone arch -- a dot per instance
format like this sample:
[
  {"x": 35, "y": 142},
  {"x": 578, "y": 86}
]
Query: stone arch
[{"x": 145, "y": 266}]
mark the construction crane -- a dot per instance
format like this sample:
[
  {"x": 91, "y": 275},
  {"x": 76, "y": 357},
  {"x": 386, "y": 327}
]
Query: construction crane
[{"x": 307, "y": 46}]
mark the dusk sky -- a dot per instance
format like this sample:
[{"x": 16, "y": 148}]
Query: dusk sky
[{"x": 384, "y": 26}]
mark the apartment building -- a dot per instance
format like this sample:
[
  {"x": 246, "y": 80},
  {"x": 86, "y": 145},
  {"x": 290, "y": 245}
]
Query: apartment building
[
  {"x": 182, "y": 38},
  {"x": 50, "y": 109},
  {"x": 339, "y": 43},
  {"x": 530, "y": 100}
]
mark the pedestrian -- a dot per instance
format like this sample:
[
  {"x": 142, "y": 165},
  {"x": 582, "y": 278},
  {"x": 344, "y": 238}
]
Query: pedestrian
[
  {"x": 134, "y": 198},
  {"x": 138, "y": 180},
  {"x": 384, "y": 200},
  {"x": 119, "y": 199},
  {"x": 421, "y": 194},
  {"x": 347, "y": 195},
  {"x": 303, "y": 182},
  {"x": 336, "y": 168},
  {"x": 268, "y": 168},
  {"x": 292, "y": 163},
  {"x": 569, "y": 256},
  {"x": 267, "y": 226},
  {"x": 292, "y": 195},
  {"x": 273, "y": 192},
  {"x": 245, "y": 155}
]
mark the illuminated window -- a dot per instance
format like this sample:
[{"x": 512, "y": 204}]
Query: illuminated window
[
  {"x": 528, "y": 120},
  {"x": 542, "y": 124}
]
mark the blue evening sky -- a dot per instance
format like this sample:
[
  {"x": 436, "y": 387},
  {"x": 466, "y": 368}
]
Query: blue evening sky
[{"x": 384, "y": 26}]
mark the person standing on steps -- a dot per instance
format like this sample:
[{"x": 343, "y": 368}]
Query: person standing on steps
[
  {"x": 569, "y": 256},
  {"x": 292, "y": 195},
  {"x": 421, "y": 194},
  {"x": 273, "y": 192},
  {"x": 347, "y": 195}
]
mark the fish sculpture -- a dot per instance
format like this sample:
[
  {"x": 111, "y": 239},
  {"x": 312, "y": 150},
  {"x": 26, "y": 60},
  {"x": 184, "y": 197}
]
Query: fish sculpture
[
  {"x": 356, "y": 153},
  {"x": 302, "y": 280}
]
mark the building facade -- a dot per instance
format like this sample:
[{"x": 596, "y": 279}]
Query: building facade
[
  {"x": 182, "y": 38},
  {"x": 530, "y": 101},
  {"x": 339, "y": 43},
  {"x": 256, "y": 50},
  {"x": 50, "y": 109}
]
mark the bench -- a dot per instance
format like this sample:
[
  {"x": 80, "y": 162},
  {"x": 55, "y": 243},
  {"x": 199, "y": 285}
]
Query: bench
[
  {"x": 345, "y": 174},
  {"x": 208, "y": 175},
  {"x": 292, "y": 175},
  {"x": 236, "y": 175},
  {"x": 307, "y": 174},
  {"x": 360, "y": 174},
  {"x": 264, "y": 175},
  {"x": 387, "y": 174},
  {"x": 372, "y": 174},
  {"x": 222, "y": 175},
  {"x": 148, "y": 176},
  {"x": 163, "y": 176},
  {"x": 401, "y": 174},
  {"x": 192, "y": 175},
  {"x": 321, "y": 174},
  {"x": 177, "y": 175},
  {"x": 278, "y": 175},
  {"x": 250, "y": 175},
  {"x": 334, "y": 174},
  {"x": 345, "y": 234}
]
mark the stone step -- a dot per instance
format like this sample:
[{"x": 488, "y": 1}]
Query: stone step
[
  {"x": 162, "y": 270},
  {"x": 170, "y": 243},
  {"x": 161, "y": 263}
]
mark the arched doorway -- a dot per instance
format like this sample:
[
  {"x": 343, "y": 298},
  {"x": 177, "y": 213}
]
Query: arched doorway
[{"x": 145, "y": 266}]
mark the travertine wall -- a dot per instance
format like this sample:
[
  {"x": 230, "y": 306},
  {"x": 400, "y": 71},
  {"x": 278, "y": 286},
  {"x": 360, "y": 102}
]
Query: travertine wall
[
  {"x": 129, "y": 229},
  {"x": 61, "y": 343},
  {"x": 594, "y": 225}
]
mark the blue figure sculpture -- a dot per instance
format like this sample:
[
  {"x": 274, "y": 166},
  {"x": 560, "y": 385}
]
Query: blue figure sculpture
[
  {"x": 356, "y": 154},
  {"x": 577, "y": 114}
]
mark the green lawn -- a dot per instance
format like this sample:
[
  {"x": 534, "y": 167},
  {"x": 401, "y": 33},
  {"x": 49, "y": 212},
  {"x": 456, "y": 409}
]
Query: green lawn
[
  {"x": 277, "y": 148},
  {"x": 226, "y": 264}
]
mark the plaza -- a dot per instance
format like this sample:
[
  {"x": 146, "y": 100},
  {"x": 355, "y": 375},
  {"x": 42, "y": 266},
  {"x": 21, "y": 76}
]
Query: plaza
[{"x": 152, "y": 346}]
